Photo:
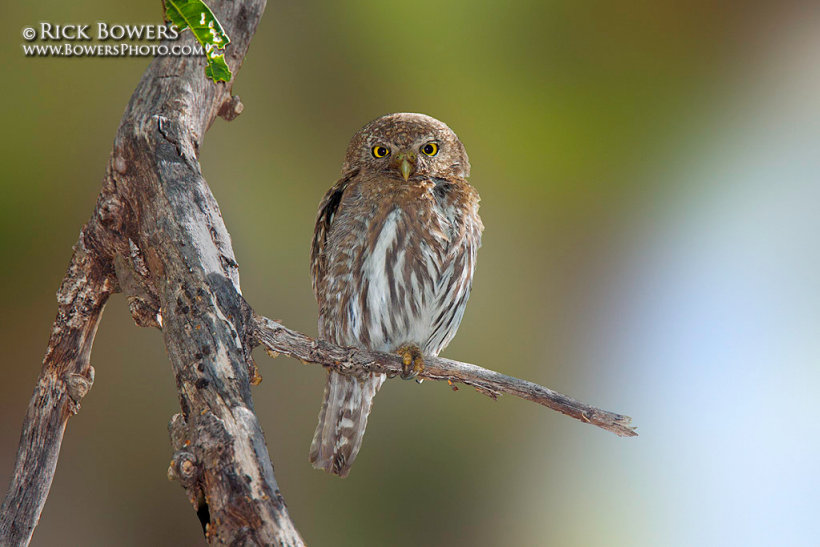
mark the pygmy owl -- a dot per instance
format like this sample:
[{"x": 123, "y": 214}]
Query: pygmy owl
[{"x": 394, "y": 249}]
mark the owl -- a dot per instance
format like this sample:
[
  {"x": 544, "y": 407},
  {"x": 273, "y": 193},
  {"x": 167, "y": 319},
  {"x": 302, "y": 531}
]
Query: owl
[{"x": 392, "y": 261}]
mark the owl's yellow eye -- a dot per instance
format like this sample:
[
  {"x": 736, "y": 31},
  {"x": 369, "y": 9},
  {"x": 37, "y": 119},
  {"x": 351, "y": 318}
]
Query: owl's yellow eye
[
  {"x": 430, "y": 149},
  {"x": 380, "y": 151}
]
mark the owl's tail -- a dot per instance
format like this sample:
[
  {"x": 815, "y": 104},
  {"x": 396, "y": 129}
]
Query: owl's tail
[{"x": 342, "y": 421}]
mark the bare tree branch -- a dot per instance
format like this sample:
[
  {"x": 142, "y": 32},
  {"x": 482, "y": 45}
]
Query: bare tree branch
[
  {"x": 157, "y": 235},
  {"x": 66, "y": 377},
  {"x": 277, "y": 338}
]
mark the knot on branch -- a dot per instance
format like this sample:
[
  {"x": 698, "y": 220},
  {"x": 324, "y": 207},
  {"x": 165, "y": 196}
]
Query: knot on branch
[
  {"x": 212, "y": 449},
  {"x": 77, "y": 386},
  {"x": 110, "y": 212},
  {"x": 208, "y": 452},
  {"x": 184, "y": 468},
  {"x": 119, "y": 164},
  {"x": 231, "y": 108}
]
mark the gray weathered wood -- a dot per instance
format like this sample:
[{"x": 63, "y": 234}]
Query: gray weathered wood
[
  {"x": 65, "y": 378},
  {"x": 277, "y": 339},
  {"x": 157, "y": 235}
]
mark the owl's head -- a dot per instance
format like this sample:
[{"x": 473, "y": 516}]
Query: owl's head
[{"x": 407, "y": 145}]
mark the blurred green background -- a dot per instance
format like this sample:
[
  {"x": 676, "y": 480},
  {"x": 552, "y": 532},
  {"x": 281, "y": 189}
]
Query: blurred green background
[{"x": 650, "y": 186}]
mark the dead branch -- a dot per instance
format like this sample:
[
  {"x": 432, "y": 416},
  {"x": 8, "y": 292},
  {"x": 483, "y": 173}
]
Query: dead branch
[
  {"x": 66, "y": 377},
  {"x": 277, "y": 338},
  {"x": 156, "y": 234}
]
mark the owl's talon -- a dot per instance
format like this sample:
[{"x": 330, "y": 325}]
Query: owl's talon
[{"x": 412, "y": 362}]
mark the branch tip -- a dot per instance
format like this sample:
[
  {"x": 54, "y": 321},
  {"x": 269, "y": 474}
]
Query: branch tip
[{"x": 277, "y": 338}]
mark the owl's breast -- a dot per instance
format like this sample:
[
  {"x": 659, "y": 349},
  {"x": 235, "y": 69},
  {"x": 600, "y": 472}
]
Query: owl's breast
[{"x": 384, "y": 267}]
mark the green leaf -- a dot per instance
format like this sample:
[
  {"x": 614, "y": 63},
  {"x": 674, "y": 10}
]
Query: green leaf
[
  {"x": 198, "y": 17},
  {"x": 217, "y": 69}
]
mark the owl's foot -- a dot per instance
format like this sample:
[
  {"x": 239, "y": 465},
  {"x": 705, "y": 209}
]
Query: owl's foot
[{"x": 412, "y": 361}]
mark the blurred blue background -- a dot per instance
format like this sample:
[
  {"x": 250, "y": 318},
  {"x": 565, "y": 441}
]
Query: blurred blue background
[{"x": 650, "y": 179}]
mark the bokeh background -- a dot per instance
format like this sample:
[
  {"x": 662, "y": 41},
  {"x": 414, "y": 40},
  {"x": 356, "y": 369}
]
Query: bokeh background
[{"x": 650, "y": 175}]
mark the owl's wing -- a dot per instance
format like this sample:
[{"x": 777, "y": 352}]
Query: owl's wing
[
  {"x": 324, "y": 218},
  {"x": 455, "y": 281}
]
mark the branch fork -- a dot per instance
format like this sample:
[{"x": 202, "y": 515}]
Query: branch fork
[{"x": 157, "y": 235}]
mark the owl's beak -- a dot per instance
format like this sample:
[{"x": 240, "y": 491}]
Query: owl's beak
[{"x": 406, "y": 163}]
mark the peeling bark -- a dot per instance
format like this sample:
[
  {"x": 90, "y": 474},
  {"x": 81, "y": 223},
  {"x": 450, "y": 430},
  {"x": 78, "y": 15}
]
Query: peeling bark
[{"x": 156, "y": 234}]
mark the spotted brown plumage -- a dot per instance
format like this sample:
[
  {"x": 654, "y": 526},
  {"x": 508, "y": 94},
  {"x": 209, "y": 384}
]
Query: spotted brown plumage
[{"x": 392, "y": 261}]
